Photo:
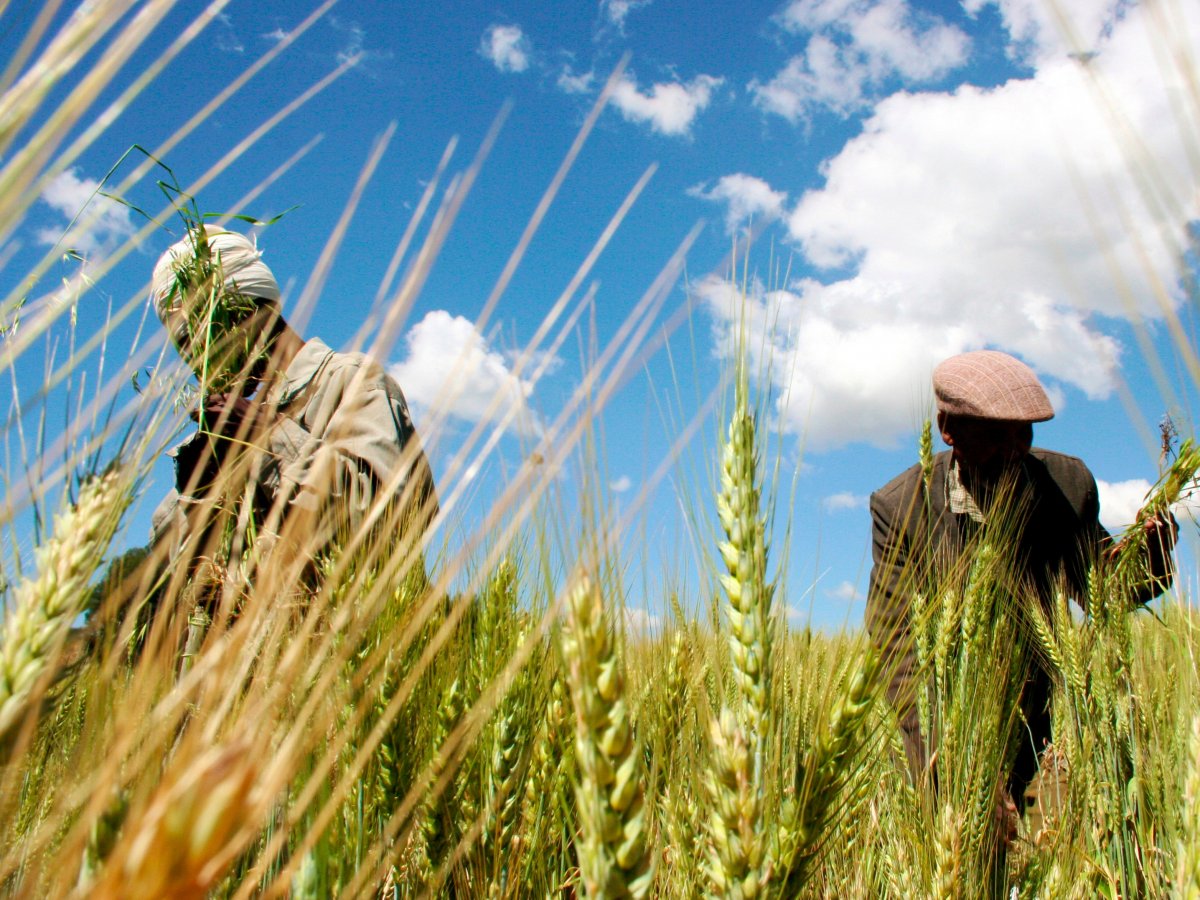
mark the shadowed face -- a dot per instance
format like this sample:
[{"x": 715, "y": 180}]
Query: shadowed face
[
  {"x": 986, "y": 448},
  {"x": 229, "y": 354}
]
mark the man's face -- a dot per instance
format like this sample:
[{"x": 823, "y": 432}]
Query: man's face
[
  {"x": 986, "y": 447},
  {"x": 228, "y": 354}
]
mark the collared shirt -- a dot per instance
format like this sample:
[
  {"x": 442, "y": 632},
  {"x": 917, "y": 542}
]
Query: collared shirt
[{"x": 958, "y": 498}]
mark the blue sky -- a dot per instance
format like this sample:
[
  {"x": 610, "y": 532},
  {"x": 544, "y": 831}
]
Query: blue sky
[{"x": 921, "y": 178}]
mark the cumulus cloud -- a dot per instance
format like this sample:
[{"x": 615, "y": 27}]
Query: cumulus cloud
[
  {"x": 451, "y": 366},
  {"x": 101, "y": 227},
  {"x": 668, "y": 107},
  {"x": 1009, "y": 218},
  {"x": 620, "y": 485},
  {"x": 855, "y": 49},
  {"x": 746, "y": 199},
  {"x": 844, "y": 501},
  {"x": 506, "y": 47},
  {"x": 1120, "y": 501}
]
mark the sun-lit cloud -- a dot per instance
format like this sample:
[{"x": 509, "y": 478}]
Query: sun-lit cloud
[
  {"x": 845, "y": 501},
  {"x": 746, "y": 198},
  {"x": 854, "y": 50},
  {"x": 452, "y": 367},
  {"x": 1120, "y": 501},
  {"x": 668, "y": 107},
  {"x": 620, "y": 485},
  {"x": 1013, "y": 218},
  {"x": 507, "y": 47},
  {"x": 101, "y": 227}
]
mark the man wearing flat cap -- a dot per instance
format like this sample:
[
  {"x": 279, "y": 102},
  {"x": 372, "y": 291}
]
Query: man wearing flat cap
[
  {"x": 925, "y": 518},
  {"x": 321, "y": 438}
]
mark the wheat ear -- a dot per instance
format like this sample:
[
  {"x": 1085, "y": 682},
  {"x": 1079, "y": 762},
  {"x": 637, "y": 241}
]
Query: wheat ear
[
  {"x": 191, "y": 830},
  {"x": 736, "y": 775},
  {"x": 44, "y": 607},
  {"x": 612, "y": 845},
  {"x": 821, "y": 777}
]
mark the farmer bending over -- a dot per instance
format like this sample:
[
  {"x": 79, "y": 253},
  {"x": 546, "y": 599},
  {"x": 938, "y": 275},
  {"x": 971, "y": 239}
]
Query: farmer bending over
[
  {"x": 312, "y": 436},
  {"x": 922, "y": 521}
]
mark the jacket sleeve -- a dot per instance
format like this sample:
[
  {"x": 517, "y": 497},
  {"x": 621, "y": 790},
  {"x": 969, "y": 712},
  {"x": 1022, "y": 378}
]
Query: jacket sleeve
[{"x": 889, "y": 613}]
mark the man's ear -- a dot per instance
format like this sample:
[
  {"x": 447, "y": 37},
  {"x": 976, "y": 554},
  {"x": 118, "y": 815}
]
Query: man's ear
[{"x": 945, "y": 427}]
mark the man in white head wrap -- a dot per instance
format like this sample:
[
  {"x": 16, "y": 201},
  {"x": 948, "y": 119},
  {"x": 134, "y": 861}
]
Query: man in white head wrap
[{"x": 327, "y": 436}]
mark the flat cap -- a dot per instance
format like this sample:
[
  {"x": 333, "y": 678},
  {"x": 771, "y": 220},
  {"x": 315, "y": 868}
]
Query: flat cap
[{"x": 988, "y": 384}]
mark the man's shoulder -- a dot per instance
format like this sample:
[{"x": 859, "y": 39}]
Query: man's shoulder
[
  {"x": 900, "y": 490},
  {"x": 356, "y": 364},
  {"x": 1062, "y": 467}
]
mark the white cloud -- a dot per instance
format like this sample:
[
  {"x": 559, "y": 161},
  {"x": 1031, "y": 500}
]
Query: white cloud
[
  {"x": 746, "y": 199},
  {"x": 354, "y": 39},
  {"x": 1042, "y": 31},
  {"x": 854, "y": 49},
  {"x": 101, "y": 227},
  {"x": 452, "y": 366},
  {"x": 1010, "y": 218},
  {"x": 669, "y": 107},
  {"x": 226, "y": 36},
  {"x": 571, "y": 83},
  {"x": 846, "y": 592},
  {"x": 1120, "y": 501},
  {"x": 620, "y": 485},
  {"x": 506, "y": 47},
  {"x": 845, "y": 501},
  {"x": 616, "y": 10}
]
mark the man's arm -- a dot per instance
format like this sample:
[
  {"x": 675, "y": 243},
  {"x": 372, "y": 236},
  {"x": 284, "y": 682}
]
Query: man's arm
[
  {"x": 1145, "y": 551},
  {"x": 358, "y": 442}
]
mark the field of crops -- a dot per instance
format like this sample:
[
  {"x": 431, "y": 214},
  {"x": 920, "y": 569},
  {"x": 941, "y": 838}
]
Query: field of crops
[{"x": 382, "y": 717}]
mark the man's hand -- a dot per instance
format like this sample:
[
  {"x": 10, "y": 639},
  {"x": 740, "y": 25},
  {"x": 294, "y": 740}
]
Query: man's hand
[
  {"x": 234, "y": 416},
  {"x": 1159, "y": 532},
  {"x": 1006, "y": 816}
]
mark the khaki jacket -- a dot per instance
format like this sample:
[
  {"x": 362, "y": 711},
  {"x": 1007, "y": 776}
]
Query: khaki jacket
[{"x": 343, "y": 435}]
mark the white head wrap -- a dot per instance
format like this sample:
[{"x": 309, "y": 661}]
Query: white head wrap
[{"x": 240, "y": 260}]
